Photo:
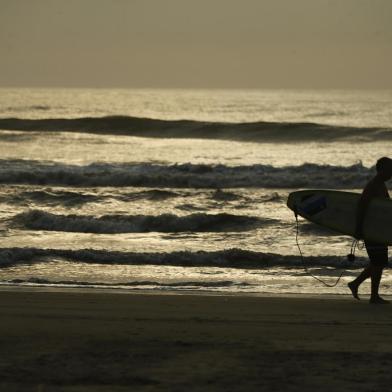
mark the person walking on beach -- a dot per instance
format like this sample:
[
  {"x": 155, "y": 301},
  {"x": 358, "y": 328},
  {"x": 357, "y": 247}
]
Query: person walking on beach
[{"x": 378, "y": 253}]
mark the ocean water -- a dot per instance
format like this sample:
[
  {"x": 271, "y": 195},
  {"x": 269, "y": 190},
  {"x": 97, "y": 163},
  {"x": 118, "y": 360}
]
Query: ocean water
[{"x": 180, "y": 189}]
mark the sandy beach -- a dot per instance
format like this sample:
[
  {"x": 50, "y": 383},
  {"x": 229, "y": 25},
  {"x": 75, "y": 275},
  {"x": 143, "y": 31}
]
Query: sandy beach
[{"x": 72, "y": 340}]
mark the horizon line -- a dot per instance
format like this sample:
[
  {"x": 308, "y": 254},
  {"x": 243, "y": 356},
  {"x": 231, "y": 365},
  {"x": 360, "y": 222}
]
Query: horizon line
[{"x": 258, "y": 88}]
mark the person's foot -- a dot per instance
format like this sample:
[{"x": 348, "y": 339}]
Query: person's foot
[
  {"x": 354, "y": 290},
  {"x": 379, "y": 301}
]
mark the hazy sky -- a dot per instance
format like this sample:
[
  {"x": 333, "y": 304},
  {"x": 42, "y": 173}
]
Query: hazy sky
[{"x": 196, "y": 43}]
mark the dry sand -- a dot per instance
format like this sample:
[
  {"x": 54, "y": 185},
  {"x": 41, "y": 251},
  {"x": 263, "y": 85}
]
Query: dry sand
[{"x": 103, "y": 341}]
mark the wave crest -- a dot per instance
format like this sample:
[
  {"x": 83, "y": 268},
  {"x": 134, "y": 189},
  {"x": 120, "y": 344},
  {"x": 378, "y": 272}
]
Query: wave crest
[
  {"x": 147, "y": 127},
  {"x": 229, "y": 258},
  {"x": 185, "y": 175},
  {"x": 111, "y": 224}
]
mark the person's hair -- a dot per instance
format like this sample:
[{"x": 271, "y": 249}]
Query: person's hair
[{"x": 383, "y": 164}]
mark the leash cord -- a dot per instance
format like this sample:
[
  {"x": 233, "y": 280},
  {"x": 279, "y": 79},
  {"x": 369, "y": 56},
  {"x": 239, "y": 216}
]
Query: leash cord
[{"x": 353, "y": 246}]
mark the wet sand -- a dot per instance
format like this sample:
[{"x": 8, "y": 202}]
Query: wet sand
[{"x": 66, "y": 340}]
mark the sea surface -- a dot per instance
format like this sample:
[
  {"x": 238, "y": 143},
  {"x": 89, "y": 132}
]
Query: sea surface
[{"x": 181, "y": 190}]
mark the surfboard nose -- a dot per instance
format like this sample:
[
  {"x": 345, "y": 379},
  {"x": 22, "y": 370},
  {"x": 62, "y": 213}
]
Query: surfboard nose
[
  {"x": 307, "y": 203},
  {"x": 292, "y": 201}
]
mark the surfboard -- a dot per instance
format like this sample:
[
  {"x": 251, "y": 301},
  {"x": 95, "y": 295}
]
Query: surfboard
[{"x": 337, "y": 211}]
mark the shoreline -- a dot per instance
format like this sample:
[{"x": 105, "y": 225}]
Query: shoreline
[{"x": 155, "y": 292}]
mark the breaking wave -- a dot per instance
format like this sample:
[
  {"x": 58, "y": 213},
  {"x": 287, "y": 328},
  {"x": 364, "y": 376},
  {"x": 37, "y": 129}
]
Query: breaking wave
[
  {"x": 229, "y": 258},
  {"x": 185, "y": 175},
  {"x": 111, "y": 224},
  {"x": 147, "y": 127}
]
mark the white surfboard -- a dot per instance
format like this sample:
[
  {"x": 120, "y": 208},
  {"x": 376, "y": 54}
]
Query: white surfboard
[{"x": 337, "y": 211}]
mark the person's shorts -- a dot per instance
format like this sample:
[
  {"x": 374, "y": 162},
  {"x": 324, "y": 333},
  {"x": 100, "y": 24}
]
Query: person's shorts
[{"x": 378, "y": 253}]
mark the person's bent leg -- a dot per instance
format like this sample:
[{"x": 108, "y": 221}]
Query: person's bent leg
[{"x": 354, "y": 285}]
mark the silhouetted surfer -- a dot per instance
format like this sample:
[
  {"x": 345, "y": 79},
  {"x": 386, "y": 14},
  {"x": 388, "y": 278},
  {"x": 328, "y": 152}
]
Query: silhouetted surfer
[{"x": 378, "y": 253}]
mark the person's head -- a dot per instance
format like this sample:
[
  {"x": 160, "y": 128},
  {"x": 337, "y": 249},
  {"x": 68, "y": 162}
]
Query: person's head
[{"x": 384, "y": 168}]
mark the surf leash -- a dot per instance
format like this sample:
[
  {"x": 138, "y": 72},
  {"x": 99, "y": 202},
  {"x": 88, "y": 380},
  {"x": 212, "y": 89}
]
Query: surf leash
[{"x": 350, "y": 257}]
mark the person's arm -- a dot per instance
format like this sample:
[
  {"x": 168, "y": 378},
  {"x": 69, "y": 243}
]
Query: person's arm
[{"x": 361, "y": 212}]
